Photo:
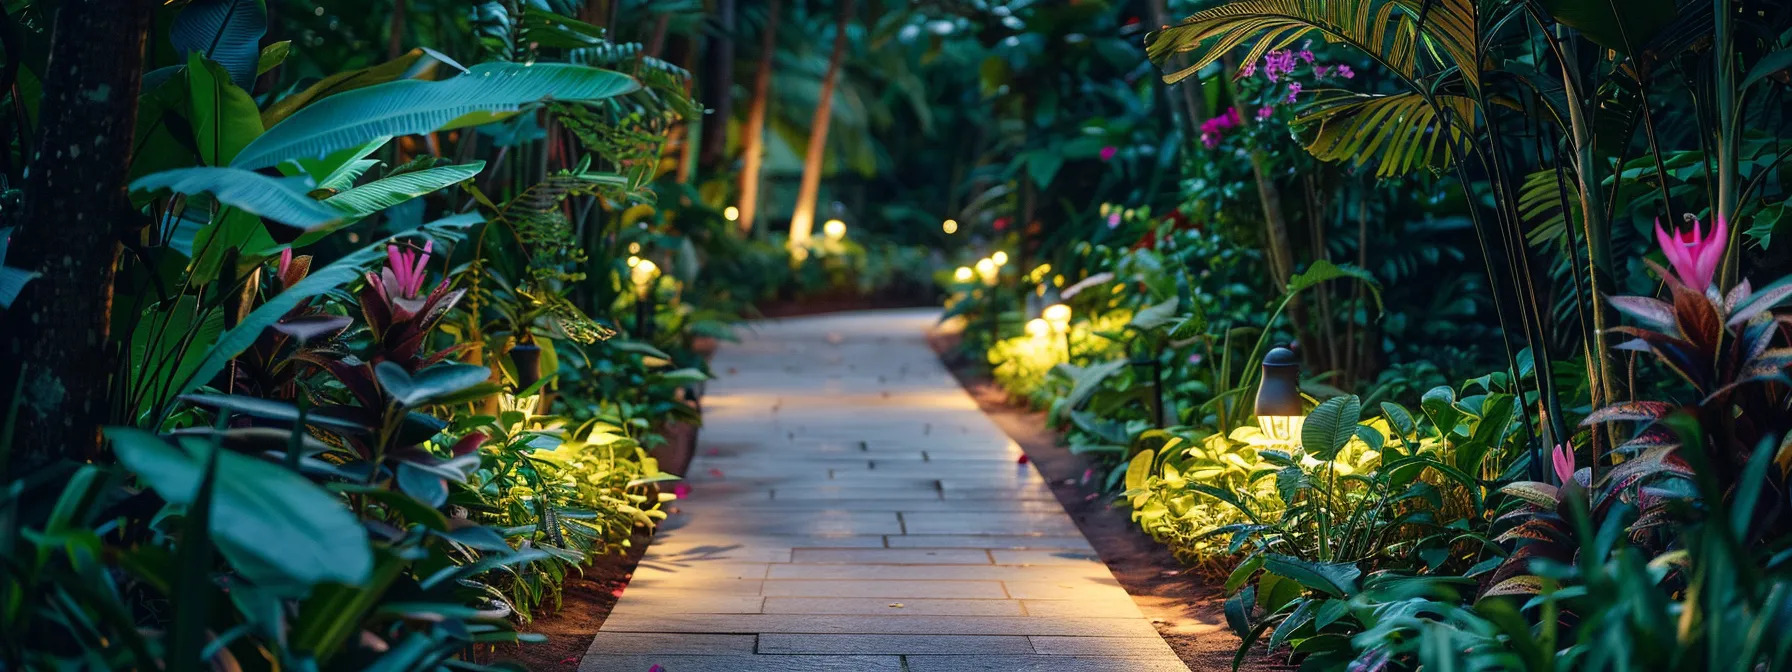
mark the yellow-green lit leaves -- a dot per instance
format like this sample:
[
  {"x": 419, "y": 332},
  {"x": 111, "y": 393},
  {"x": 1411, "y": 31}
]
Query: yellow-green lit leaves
[{"x": 224, "y": 116}]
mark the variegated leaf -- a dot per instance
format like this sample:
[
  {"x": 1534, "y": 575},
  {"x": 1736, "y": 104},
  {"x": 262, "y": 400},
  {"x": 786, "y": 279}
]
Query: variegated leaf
[
  {"x": 1655, "y": 312},
  {"x": 1643, "y": 411},
  {"x": 1517, "y": 585},
  {"x": 1540, "y": 494}
]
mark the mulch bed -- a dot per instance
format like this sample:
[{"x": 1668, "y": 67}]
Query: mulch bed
[
  {"x": 584, "y": 604},
  {"x": 1185, "y": 606}
]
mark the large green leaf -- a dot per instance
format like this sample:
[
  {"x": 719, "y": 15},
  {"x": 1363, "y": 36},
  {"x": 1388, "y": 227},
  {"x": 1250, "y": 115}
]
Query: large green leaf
[
  {"x": 487, "y": 93},
  {"x": 441, "y": 380},
  {"x": 1337, "y": 579},
  {"x": 1618, "y": 25},
  {"x": 380, "y": 194},
  {"x": 1330, "y": 426},
  {"x": 342, "y": 272},
  {"x": 1085, "y": 380},
  {"x": 272, "y": 523},
  {"x": 167, "y": 345},
  {"x": 233, "y": 230},
  {"x": 1323, "y": 270},
  {"x": 224, "y": 116},
  {"x": 283, "y": 200},
  {"x": 226, "y": 31},
  {"x": 1157, "y": 315}
]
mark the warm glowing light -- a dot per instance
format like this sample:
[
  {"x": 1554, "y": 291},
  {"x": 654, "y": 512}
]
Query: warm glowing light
[
  {"x": 1038, "y": 328},
  {"x": 643, "y": 274},
  {"x": 731, "y": 213},
  {"x": 633, "y": 261},
  {"x": 634, "y": 248},
  {"x": 834, "y": 229},
  {"x": 1039, "y": 273},
  {"x": 1282, "y": 428},
  {"x": 950, "y": 226},
  {"x": 1058, "y": 316},
  {"x": 988, "y": 270},
  {"x": 1000, "y": 257},
  {"x": 963, "y": 274}
]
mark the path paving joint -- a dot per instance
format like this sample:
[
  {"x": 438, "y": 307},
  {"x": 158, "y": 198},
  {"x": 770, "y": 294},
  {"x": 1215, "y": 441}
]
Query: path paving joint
[{"x": 851, "y": 510}]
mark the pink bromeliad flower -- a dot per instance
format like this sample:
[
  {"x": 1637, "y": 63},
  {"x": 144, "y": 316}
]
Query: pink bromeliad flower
[
  {"x": 1107, "y": 153},
  {"x": 1693, "y": 254},
  {"x": 401, "y": 281}
]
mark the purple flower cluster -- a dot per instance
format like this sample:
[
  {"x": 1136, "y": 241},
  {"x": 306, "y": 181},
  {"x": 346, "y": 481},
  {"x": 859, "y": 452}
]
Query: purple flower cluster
[
  {"x": 1279, "y": 65},
  {"x": 1213, "y": 129}
]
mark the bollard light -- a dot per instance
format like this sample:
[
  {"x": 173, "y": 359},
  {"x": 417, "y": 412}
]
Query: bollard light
[
  {"x": 834, "y": 229},
  {"x": 643, "y": 274},
  {"x": 950, "y": 226},
  {"x": 1280, "y": 410},
  {"x": 1057, "y": 316}
]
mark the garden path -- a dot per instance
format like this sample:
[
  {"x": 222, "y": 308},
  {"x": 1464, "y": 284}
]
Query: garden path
[{"x": 852, "y": 510}]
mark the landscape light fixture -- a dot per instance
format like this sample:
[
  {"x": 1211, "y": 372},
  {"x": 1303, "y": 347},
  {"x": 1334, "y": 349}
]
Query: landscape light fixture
[
  {"x": 1057, "y": 316},
  {"x": 731, "y": 213},
  {"x": 988, "y": 270},
  {"x": 950, "y": 226},
  {"x": 963, "y": 274},
  {"x": 1280, "y": 411},
  {"x": 1000, "y": 257},
  {"x": 834, "y": 229},
  {"x": 644, "y": 275}
]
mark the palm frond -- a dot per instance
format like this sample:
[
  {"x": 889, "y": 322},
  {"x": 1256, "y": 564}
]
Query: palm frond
[
  {"x": 1393, "y": 32},
  {"x": 1399, "y": 132}
]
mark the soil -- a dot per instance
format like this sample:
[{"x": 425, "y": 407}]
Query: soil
[
  {"x": 1185, "y": 605},
  {"x": 585, "y": 601}
]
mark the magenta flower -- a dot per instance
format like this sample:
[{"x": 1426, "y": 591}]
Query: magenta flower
[
  {"x": 1563, "y": 460},
  {"x": 1248, "y": 69},
  {"x": 656, "y": 668},
  {"x": 285, "y": 262},
  {"x": 681, "y": 491},
  {"x": 1694, "y": 255},
  {"x": 1322, "y": 71},
  {"x": 1345, "y": 72},
  {"x": 1265, "y": 112},
  {"x": 1306, "y": 56},
  {"x": 1293, "y": 90},
  {"x": 1113, "y": 220},
  {"x": 1107, "y": 153},
  {"x": 402, "y": 278}
]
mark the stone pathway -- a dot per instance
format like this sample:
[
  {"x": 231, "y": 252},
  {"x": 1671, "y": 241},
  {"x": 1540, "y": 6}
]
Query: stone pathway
[{"x": 851, "y": 510}]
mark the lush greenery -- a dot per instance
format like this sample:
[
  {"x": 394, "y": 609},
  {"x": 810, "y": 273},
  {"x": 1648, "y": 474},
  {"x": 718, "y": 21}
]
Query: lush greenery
[{"x": 1527, "y": 256}]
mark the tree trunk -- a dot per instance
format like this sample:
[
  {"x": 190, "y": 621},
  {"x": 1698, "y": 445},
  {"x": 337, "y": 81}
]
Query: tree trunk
[
  {"x": 753, "y": 136},
  {"x": 718, "y": 93},
  {"x": 802, "y": 221},
  {"x": 395, "y": 42},
  {"x": 55, "y": 337}
]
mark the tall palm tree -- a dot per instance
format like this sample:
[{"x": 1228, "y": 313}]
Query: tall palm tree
[
  {"x": 753, "y": 136},
  {"x": 802, "y": 221}
]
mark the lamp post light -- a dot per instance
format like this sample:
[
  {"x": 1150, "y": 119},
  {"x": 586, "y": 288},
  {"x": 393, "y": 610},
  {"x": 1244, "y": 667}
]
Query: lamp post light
[
  {"x": 834, "y": 230},
  {"x": 1057, "y": 316},
  {"x": 1280, "y": 411},
  {"x": 645, "y": 274}
]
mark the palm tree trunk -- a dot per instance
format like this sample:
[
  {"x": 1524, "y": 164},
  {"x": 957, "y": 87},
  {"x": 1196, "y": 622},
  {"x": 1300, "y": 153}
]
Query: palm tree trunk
[
  {"x": 55, "y": 341},
  {"x": 753, "y": 136},
  {"x": 719, "y": 93},
  {"x": 802, "y": 221},
  {"x": 395, "y": 42}
]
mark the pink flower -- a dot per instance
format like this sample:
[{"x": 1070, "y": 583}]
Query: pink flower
[
  {"x": 403, "y": 276},
  {"x": 1248, "y": 69},
  {"x": 1694, "y": 255},
  {"x": 682, "y": 490},
  {"x": 1322, "y": 72},
  {"x": 1265, "y": 112},
  {"x": 285, "y": 263},
  {"x": 1113, "y": 220},
  {"x": 656, "y": 668},
  {"x": 1209, "y": 140},
  {"x": 1306, "y": 56},
  {"x": 1293, "y": 90},
  {"x": 1345, "y": 72},
  {"x": 1194, "y": 358},
  {"x": 1107, "y": 153},
  {"x": 1563, "y": 459}
]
